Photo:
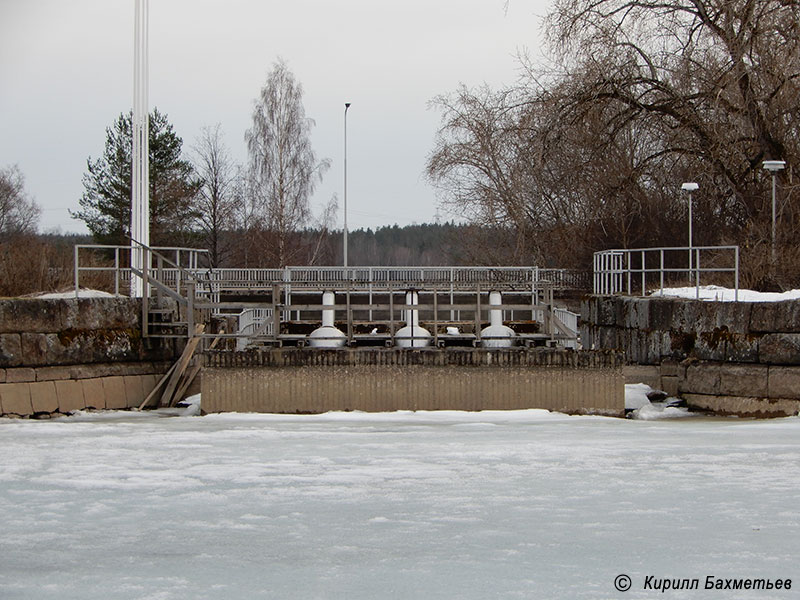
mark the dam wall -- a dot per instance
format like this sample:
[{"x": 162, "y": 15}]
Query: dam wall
[
  {"x": 67, "y": 354},
  {"x": 303, "y": 380},
  {"x": 738, "y": 358}
]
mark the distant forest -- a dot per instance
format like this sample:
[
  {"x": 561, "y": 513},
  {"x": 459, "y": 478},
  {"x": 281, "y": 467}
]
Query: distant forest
[{"x": 427, "y": 244}]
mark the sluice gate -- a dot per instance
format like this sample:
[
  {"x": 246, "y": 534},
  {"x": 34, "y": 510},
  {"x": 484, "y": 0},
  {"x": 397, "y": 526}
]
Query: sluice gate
[{"x": 308, "y": 339}]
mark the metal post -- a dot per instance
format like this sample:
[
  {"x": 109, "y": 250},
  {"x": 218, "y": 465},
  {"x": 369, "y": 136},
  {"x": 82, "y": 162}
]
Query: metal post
[
  {"x": 774, "y": 224},
  {"x": 644, "y": 274},
  {"x": 140, "y": 167},
  {"x": 736, "y": 275},
  {"x": 661, "y": 270},
  {"x": 190, "y": 308},
  {"x": 690, "y": 237},
  {"x": 116, "y": 271},
  {"x": 77, "y": 269},
  {"x": 697, "y": 275},
  {"x": 346, "y": 106}
]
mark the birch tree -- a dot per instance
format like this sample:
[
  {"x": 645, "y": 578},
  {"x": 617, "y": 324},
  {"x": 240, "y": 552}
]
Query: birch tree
[{"x": 283, "y": 170}]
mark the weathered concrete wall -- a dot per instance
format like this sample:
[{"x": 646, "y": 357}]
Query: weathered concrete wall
[
  {"x": 388, "y": 379},
  {"x": 731, "y": 357},
  {"x": 48, "y": 390},
  {"x": 61, "y": 355}
]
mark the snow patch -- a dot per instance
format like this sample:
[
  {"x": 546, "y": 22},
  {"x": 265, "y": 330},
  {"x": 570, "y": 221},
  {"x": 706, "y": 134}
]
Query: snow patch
[
  {"x": 716, "y": 293},
  {"x": 82, "y": 293}
]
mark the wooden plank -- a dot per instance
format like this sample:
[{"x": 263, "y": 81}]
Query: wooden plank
[
  {"x": 187, "y": 381},
  {"x": 183, "y": 362},
  {"x": 160, "y": 383}
]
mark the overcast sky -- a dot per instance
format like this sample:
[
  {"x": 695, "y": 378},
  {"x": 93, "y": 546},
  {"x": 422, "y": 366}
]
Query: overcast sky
[{"x": 66, "y": 72}]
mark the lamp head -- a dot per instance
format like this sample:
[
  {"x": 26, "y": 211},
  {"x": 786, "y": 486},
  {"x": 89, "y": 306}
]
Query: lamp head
[
  {"x": 774, "y": 165},
  {"x": 346, "y": 105},
  {"x": 689, "y": 186}
]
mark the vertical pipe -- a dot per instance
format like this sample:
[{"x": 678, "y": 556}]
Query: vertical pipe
[
  {"x": 495, "y": 315},
  {"x": 328, "y": 314}
]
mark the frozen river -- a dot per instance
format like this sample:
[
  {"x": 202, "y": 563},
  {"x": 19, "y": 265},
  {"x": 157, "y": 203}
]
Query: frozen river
[{"x": 521, "y": 504}]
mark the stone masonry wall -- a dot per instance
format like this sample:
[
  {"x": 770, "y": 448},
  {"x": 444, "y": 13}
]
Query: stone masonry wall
[
  {"x": 736, "y": 357},
  {"x": 61, "y": 355}
]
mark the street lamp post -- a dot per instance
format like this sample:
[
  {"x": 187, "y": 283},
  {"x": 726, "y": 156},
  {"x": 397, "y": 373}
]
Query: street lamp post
[
  {"x": 344, "y": 242},
  {"x": 773, "y": 166},
  {"x": 690, "y": 187}
]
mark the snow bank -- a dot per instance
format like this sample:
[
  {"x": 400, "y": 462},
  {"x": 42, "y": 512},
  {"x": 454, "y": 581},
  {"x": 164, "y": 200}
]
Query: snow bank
[
  {"x": 82, "y": 293},
  {"x": 722, "y": 294},
  {"x": 637, "y": 400}
]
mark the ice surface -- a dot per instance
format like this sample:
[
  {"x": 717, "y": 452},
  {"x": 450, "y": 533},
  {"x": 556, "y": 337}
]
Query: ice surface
[
  {"x": 721, "y": 294},
  {"x": 523, "y": 504}
]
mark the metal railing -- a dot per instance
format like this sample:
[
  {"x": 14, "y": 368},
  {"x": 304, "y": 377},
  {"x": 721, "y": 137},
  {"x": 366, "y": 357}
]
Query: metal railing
[
  {"x": 169, "y": 265},
  {"x": 627, "y": 271},
  {"x": 262, "y": 324}
]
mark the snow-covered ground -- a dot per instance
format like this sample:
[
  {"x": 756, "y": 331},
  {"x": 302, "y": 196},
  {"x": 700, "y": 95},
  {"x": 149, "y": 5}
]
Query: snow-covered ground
[
  {"x": 523, "y": 504},
  {"x": 722, "y": 294},
  {"x": 82, "y": 293}
]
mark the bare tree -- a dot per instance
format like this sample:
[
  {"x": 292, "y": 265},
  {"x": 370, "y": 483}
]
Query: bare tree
[
  {"x": 19, "y": 214},
  {"x": 217, "y": 195},
  {"x": 283, "y": 169},
  {"x": 644, "y": 94}
]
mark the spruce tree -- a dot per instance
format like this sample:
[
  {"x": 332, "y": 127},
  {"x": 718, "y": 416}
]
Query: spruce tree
[{"x": 106, "y": 202}]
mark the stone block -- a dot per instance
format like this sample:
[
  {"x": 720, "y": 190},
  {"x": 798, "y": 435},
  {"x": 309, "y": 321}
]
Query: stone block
[
  {"x": 669, "y": 384},
  {"x": 134, "y": 390},
  {"x": 43, "y": 397},
  {"x": 94, "y": 392},
  {"x": 784, "y": 382},
  {"x": 743, "y": 406},
  {"x": 74, "y": 346},
  {"x": 742, "y": 348},
  {"x": 701, "y": 378},
  {"x": 775, "y": 317},
  {"x": 660, "y": 312},
  {"x": 36, "y": 349},
  {"x": 15, "y": 399},
  {"x": 588, "y": 311},
  {"x": 649, "y": 375},
  {"x": 780, "y": 349},
  {"x": 114, "y": 389},
  {"x": 711, "y": 345},
  {"x": 10, "y": 350},
  {"x": 669, "y": 368},
  {"x": 53, "y": 373},
  {"x": 70, "y": 396},
  {"x": 733, "y": 316},
  {"x": 2, "y": 375},
  {"x": 149, "y": 382},
  {"x": 607, "y": 311},
  {"x": 744, "y": 380},
  {"x": 20, "y": 375},
  {"x": 107, "y": 313},
  {"x": 31, "y": 315}
]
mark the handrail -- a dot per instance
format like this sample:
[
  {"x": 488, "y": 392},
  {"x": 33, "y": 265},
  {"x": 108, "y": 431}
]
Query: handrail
[
  {"x": 120, "y": 271},
  {"x": 614, "y": 270}
]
